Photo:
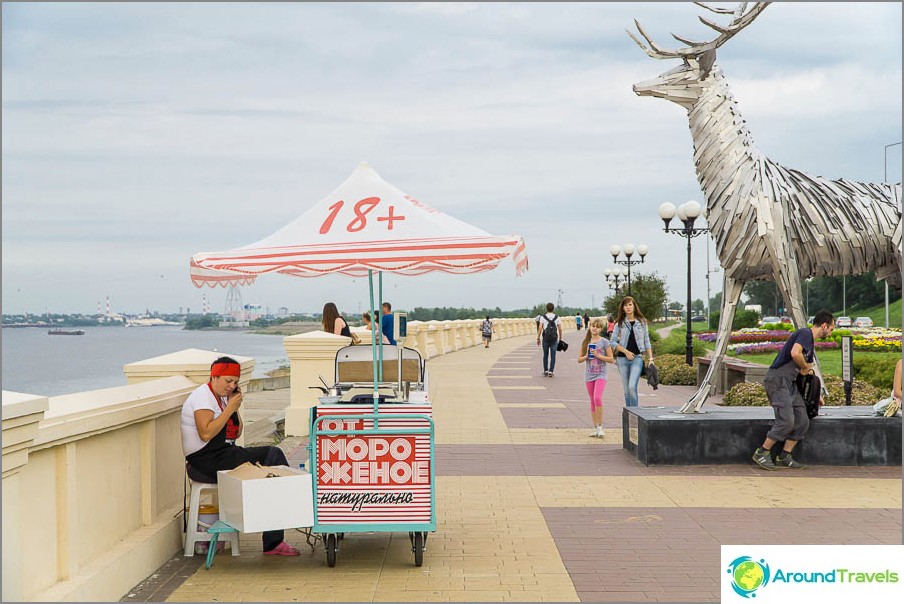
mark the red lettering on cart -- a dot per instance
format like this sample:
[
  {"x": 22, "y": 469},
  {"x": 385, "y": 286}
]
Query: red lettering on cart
[
  {"x": 341, "y": 424},
  {"x": 370, "y": 460}
]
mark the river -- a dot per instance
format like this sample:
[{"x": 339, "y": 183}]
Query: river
[{"x": 38, "y": 363}]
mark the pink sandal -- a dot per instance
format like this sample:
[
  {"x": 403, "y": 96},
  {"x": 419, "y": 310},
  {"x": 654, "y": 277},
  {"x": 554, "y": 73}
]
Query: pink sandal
[{"x": 283, "y": 549}]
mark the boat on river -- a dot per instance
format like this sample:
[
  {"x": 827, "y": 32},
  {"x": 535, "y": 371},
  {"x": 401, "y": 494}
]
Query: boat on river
[{"x": 65, "y": 332}]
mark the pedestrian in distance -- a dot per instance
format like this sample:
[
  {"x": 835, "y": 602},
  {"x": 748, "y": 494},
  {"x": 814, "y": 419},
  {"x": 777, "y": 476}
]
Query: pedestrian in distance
[
  {"x": 549, "y": 332},
  {"x": 596, "y": 351},
  {"x": 578, "y": 319},
  {"x": 587, "y": 321},
  {"x": 791, "y": 421},
  {"x": 487, "y": 329},
  {"x": 630, "y": 340},
  {"x": 610, "y": 325},
  {"x": 386, "y": 323}
]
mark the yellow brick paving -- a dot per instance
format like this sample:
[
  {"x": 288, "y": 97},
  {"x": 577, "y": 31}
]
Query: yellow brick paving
[{"x": 492, "y": 542}]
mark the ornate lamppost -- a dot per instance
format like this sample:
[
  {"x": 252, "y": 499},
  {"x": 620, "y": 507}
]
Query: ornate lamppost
[
  {"x": 628, "y": 250},
  {"x": 615, "y": 277},
  {"x": 687, "y": 214}
]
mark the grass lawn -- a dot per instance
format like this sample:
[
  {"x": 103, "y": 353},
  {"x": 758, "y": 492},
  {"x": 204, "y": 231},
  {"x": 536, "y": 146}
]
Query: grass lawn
[{"x": 829, "y": 360}]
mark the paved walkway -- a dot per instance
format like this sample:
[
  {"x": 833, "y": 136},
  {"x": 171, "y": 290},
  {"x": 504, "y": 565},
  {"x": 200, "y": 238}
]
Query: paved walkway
[{"x": 531, "y": 508}]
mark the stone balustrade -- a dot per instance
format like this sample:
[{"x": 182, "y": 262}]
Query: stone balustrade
[
  {"x": 93, "y": 481},
  {"x": 312, "y": 355}
]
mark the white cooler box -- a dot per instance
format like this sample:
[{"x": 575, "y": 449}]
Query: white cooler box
[{"x": 252, "y": 503}]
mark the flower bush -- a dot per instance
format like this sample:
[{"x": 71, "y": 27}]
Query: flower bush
[
  {"x": 674, "y": 371},
  {"x": 754, "y": 395}
]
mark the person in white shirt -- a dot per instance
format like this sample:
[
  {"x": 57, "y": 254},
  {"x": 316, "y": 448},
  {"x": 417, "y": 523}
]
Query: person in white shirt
[
  {"x": 210, "y": 424},
  {"x": 549, "y": 332}
]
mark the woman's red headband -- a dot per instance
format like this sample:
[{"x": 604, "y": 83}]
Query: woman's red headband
[{"x": 231, "y": 369}]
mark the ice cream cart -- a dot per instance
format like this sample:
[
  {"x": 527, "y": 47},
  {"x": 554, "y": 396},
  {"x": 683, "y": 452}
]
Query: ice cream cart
[{"x": 371, "y": 457}]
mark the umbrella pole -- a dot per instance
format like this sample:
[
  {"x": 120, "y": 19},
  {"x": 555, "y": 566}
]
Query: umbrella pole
[
  {"x": 375, "y": 333},
  {"x": 380, "y": 285}
]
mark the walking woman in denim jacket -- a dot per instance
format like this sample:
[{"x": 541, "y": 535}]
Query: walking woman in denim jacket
[{"x": 630, "y": 339}]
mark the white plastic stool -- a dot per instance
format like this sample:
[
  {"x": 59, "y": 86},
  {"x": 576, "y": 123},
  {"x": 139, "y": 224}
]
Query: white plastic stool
[{"x": 192, "y": 534}]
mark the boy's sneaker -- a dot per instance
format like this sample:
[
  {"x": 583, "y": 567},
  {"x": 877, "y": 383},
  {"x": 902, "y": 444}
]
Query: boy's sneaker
[
  {"x": 545, "y": 374},
  {"x": 763, "y": 458},
  {"x": 549, "y": 374},
  {"x": 786, "y": 461}
]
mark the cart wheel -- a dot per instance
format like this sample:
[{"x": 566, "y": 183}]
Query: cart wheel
[
  {"x": 418, "y": 547},
  {"x": 331, "y": 548}
]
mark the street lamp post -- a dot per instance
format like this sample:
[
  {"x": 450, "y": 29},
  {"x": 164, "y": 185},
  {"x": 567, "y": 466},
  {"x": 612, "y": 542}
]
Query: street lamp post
[
  {"x": 628, "y": 250},
  {"x": 687, "y": 214},
  {"x": 885, "y": 180},
  {"x": 615, "y": 277}
]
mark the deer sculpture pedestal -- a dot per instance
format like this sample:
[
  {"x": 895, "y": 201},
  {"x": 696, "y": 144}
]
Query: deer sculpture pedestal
[{"x": 839, "y": 436}]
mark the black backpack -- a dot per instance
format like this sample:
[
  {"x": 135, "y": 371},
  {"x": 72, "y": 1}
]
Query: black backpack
[
  {"x": 551, "y": 332},
  {"x": 810, "y": 389}
]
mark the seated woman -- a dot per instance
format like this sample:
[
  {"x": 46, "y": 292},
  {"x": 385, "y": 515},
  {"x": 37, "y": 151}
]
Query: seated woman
[
  {"x": 210, "y": 424},
  {"x": 368, "y": 323},
  {"x": 335, "y": 323}
]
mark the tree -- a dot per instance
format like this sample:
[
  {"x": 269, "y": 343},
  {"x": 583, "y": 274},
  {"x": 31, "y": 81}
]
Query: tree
[
  {"x": 697, "y": 307},
  {"x": 764, "y": 293},
  {"x": 648, "y": 290}
]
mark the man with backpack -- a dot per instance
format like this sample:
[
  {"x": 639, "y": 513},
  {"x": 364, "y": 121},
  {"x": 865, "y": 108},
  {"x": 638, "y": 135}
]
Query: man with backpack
[{"x": 549, "y": 332}]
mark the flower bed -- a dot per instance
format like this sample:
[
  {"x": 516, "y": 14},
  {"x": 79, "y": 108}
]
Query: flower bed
[
  {"x": 761, "y": 341},
  {"x": 749, "y": 394}
]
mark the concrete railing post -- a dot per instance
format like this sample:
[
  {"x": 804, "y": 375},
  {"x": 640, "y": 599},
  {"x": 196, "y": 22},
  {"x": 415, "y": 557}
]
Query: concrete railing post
[
  {"x": 21, "y": 414},
  {"x": 311, "y": 355}
]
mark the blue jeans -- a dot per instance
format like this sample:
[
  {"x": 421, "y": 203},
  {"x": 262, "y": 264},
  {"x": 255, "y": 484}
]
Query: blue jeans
[
  {"x": 630, "y": 376},
  {"x": 549, "y": 356}
]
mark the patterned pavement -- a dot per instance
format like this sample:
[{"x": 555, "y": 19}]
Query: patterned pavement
[{"x": 531, "y": 508}]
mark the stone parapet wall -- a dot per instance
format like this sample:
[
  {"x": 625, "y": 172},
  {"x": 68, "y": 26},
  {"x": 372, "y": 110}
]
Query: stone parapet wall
[{"x": 313, "y": 355}]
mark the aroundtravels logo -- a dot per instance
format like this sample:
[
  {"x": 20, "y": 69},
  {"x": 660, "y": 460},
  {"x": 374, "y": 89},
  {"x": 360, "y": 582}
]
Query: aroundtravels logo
[{"x": 748, "y": 575}]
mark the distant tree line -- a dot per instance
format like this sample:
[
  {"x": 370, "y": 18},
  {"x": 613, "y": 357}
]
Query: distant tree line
[{"x": 831, "y": 293}]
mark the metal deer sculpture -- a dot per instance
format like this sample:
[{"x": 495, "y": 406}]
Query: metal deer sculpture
[{"x": 769, "y": 222}]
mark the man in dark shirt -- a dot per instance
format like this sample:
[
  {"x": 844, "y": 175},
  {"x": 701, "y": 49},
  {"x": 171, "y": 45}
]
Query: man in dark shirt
[
  {"x": 791, "y": 421},
  {"x": 386, "y": 323}
]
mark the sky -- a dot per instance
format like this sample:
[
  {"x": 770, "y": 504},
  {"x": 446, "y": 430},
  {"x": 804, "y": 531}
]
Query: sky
[{"x": 138, "y": 134}]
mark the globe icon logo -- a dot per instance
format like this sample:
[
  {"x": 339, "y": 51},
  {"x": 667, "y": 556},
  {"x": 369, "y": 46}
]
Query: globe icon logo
[{"x": 748, "y": 575}]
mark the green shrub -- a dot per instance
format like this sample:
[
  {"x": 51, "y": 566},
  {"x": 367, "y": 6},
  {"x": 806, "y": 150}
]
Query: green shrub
[
  {"x": 876, "y": 370},
  {"x": 836, "y": 334},
  {"x": 775, "y": 326},
  {"x": 674, "y": 371},
  {"x": 742, "y": 319},
  {"x": 676, "y": 343},
  {"x": 754, "y": 395},
  {"x": 746, "y": 394},
  {"x": 862, "y": 393}
]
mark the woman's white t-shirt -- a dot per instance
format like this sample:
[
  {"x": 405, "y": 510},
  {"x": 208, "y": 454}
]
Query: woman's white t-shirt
[{"x": 201, "y": 398}]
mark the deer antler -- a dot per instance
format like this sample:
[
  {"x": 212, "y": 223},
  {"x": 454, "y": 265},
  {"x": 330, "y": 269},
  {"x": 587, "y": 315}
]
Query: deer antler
[{"x": 741, "y": 19}]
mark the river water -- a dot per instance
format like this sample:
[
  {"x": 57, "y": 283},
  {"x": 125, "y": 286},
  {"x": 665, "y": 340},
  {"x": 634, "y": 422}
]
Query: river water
[{"x": 37, "y": 363}]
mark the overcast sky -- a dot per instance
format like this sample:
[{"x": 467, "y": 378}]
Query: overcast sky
[{"x": 135, "y": 135}]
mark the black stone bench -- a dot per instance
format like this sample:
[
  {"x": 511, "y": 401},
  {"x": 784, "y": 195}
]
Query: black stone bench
[
  {"x": 734, "y": 371},
  {"x": 839, "y": 436}
]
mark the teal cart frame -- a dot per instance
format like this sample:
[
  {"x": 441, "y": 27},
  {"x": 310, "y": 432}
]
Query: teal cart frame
[{"x": 333, "y": 532}]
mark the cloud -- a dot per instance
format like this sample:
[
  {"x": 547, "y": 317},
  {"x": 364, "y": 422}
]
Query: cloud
[{"x": 204, "y": 126}]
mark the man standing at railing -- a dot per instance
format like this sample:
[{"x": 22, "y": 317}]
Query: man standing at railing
[
  {"x": 386, "y": 323},
  {"x": 210, "y": 424}
]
